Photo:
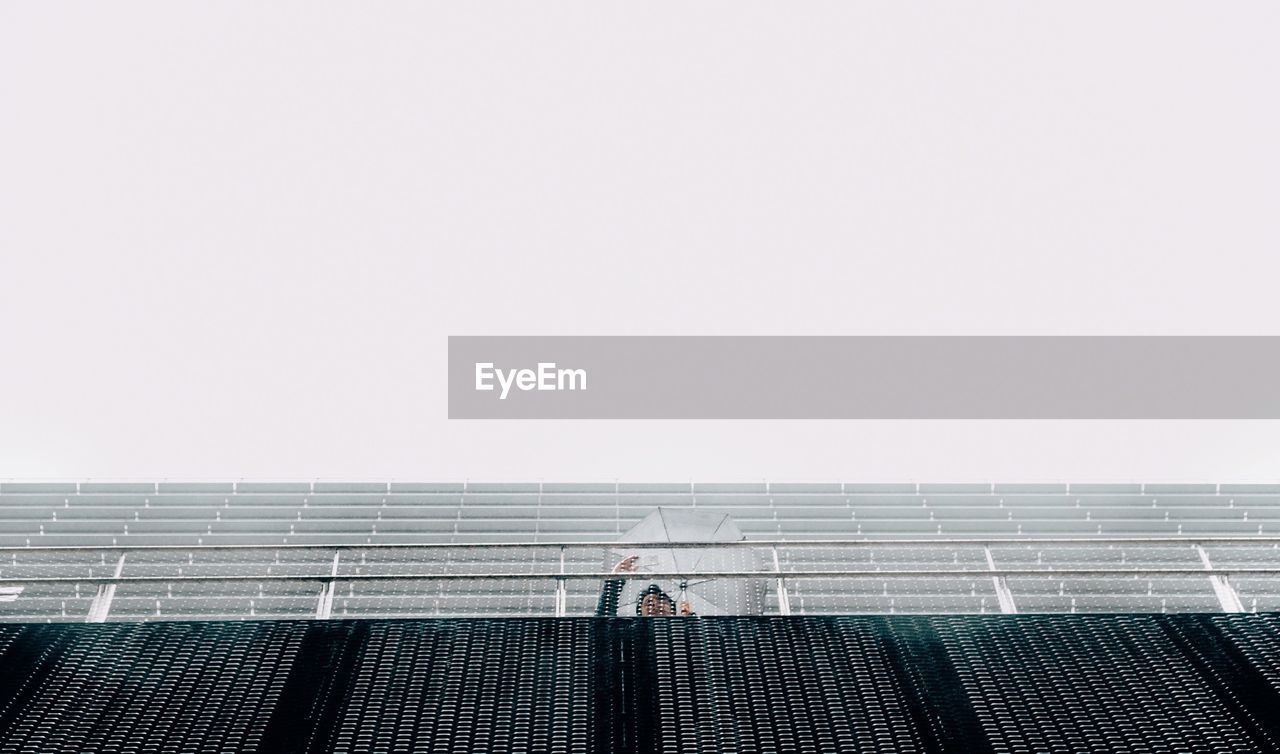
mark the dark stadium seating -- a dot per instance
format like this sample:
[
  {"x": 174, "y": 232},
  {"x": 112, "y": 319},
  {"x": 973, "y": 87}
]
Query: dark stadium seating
[{"x": 1046, "y": 683}]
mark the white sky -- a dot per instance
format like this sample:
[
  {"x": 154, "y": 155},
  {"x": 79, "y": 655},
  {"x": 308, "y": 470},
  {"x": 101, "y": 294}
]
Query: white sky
[{"x": 234, "y": 236}]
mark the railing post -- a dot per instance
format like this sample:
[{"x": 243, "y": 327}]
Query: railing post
[
  {"x": 101, "y": 605},
  {"x": 562, "y": 596},
  {"x": 1003, "y": 595},
  {"x": 1227, "y": 596},
  {"x": 784, "y": 600},
  {"x": 324, "y": 608}
]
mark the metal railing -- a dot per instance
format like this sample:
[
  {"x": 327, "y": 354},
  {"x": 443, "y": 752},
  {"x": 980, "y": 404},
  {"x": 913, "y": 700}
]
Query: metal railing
[{"x": 329, "y": 571}]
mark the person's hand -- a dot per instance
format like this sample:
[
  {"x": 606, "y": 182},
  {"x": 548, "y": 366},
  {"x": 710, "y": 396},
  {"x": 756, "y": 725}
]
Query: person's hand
[{"x": 627, "y": 564}]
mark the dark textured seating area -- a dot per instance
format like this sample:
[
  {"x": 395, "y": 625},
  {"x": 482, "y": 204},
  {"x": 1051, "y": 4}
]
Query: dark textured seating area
[{"x": 1005, "y": 683}]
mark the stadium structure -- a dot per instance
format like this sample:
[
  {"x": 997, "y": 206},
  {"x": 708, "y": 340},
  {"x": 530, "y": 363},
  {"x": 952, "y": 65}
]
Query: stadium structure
[{"x": 465, "y": 617}]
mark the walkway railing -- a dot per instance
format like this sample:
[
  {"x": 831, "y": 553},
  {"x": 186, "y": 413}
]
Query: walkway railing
[{"x": 778, "y": 563}]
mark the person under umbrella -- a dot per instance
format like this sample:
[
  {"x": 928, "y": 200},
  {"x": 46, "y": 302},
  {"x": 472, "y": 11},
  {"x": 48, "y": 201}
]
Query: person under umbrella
[
  {"x": 652, "y": 602},
  {"x": 680, "y": 570}
]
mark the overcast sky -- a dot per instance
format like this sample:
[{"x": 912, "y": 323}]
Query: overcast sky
[{"x": 234, "y": 236}]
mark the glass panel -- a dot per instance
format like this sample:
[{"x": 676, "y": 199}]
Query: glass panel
[
  {"x": 444, "y": 598},
  {"x": 450, "y": 560},
  {"x": 827, "y": 596},
  {"x": 1114, "y": 594},
  {"x": 242, "y": 600},
  {"x": 46, "y": 603},
  {"x": 1258, "y": 594},
  {"x": 16, "y": 564},
  {"x": 247, "y": 563},
  {"x": 1051, "y": 556},
  {"x": 1224, "y": 556},
  {"x": 866, "y": 557}
]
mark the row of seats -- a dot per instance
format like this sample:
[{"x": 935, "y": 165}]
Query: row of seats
[
  {"x": 45, "y": 514},
  {"x": 645, "y": 499},
  {"x": 609, "y": 527},
  {"x": 509, "y": 530},
  {"x": 318, "y": 487}
]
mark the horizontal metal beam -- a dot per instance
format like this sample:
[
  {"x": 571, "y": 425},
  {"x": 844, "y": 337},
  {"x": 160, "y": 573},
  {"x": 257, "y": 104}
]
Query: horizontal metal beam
[
  {"x": 551, "y": 575},
  {"x": 1012, "y": 539}
]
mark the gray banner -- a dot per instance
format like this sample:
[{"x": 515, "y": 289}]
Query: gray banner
[{"x": 980, "y": 377}]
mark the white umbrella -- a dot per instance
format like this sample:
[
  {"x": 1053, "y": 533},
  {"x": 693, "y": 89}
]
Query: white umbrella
[{"x": 707, "y": 596}]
